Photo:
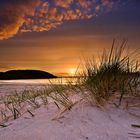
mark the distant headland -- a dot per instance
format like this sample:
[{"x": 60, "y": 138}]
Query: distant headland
[{"x": 25, "y": 74}]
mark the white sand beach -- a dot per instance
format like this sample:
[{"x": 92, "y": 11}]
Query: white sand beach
[{"x": 82, "y": 122}]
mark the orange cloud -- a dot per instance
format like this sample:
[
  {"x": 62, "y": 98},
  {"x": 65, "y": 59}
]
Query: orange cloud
[
  {"x": 63, "y": 3},
  {"x": 39, "y": 15},
  {"x": 12, "y": 16},
  {"x": 86, "y": 3}
]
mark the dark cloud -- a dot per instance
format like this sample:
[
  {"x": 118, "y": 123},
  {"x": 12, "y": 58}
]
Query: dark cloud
[
  {"x": 13, "y": 14},
  {"x": 39, "y": 15}
]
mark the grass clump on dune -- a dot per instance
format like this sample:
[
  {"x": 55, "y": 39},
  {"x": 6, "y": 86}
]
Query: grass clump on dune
[
  {"x": 15, "y": 105},
  {"x": 115, "y": 73}
]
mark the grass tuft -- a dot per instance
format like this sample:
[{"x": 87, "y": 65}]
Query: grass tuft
[{"x": 115, "y": 73}]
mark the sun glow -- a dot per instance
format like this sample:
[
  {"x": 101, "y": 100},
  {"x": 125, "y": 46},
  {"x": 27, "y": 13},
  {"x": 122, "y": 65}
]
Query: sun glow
[{"x": 72, "y": 71}]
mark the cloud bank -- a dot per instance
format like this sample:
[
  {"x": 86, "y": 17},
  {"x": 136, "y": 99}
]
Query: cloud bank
[{"x": 43, "y": 15}]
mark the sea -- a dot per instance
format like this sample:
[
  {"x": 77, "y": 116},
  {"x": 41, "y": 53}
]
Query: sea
[{"x": 8, "y": 87}]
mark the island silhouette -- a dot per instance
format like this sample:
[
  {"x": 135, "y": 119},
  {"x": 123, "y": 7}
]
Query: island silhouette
[{"x": 25, "y": 74}]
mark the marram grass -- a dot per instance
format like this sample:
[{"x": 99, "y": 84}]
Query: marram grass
[{"x": 115, "y": 73}]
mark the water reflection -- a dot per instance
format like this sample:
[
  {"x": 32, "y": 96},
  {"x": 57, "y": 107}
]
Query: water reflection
[
  {"x": 39, "y": 81},
  {"x": 10, "y": 86}
]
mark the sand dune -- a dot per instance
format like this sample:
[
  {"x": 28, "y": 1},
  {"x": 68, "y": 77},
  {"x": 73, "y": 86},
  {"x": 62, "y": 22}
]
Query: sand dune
[{"x": 83, "y": 122}]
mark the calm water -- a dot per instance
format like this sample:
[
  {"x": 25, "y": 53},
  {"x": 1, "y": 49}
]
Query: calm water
[
  {"x": 36, "y": 81},
  {"x": 10, "y": 86}
]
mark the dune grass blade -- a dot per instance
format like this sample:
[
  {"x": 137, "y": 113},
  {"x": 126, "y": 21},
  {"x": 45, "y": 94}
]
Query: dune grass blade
[
  {"x": 135, "y": 125},
  {"x": 30, "y": 113},
  {"x": 3, "y": 125}
]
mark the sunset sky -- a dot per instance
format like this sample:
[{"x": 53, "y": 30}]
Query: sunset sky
[{"x": 54, "y": 35}]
